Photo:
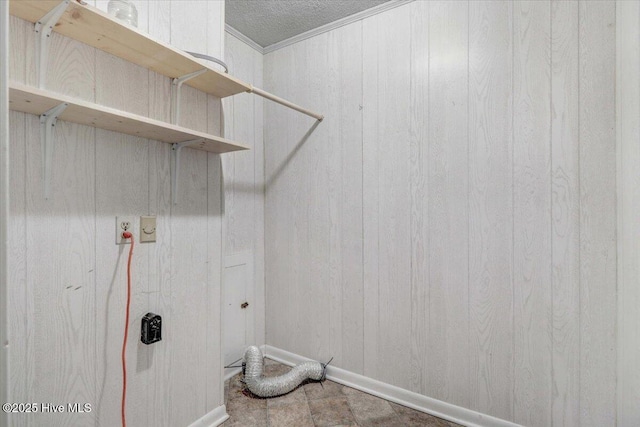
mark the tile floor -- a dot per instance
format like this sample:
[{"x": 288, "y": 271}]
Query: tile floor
[{"x": 315, "y": 405}]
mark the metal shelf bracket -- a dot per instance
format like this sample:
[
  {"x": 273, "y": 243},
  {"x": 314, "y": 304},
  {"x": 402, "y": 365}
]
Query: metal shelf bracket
[
  {"x": 176, "y": 86},
  {"x": 175, "y": 165},
  {"x": 43, "y": 28},
  {"x": 48, "y": 122}
]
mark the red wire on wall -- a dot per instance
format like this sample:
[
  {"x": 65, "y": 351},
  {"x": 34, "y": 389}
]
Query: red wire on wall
[{"x": 126, "y": 235}]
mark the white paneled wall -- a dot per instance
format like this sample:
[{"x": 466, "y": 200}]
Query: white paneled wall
[
  {"x": 244, "y": 177},
  {"x": 628, "y": 135},
  {"x": 67, "y": 284},
  {"x": 4, "y": 194},
  {"x": 450, "y": 227}
]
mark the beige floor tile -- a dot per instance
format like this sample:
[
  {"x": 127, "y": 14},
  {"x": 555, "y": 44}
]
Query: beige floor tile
[
  {"x": 318, "y": 405},
  {"x": 331, "y": 411},
  {"x": 244, "y": 418},
  {"x": 317, "y": 390},
  {"x": 239, "y": 400},
  {"x": 294, "y": 396},
  {"x": 294, "y": 414},
  {"x": 365, "y": 406},
  {"x": 393, "y": 420},
  {"x": 417, "y": 418}
]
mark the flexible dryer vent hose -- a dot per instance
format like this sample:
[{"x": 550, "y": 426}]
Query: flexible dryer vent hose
[{"x": 275, "y": 386}]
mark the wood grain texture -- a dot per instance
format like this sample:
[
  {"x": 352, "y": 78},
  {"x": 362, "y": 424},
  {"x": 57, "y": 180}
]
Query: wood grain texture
[
  {"x": 31, "y": 100},
  {"x": 532, "y": 273},
  {"x": 97, "y": 29},
  {"x": 191, "y": 294},
  {"x": 20, "y": 303},
  {"x": 160, "y": 274},
  {"x": 61, "y": 288},
  {"x": 5, "y": 157},
  {"x": 239, "y": 169},
  {"x": 214, "y": 386},
  {"x": 216, "y": 41},
  {"x": 500, "y": 189},
  {"x": 565, "y": 213},
  {"x": 597, "y": 214},
  {"x": 299, "y": 199},
  {"x": 72, "y": 67},
  {"x": 259, "y": 185},
  {"x": 131, "y": 156},
  {"x": 61, "y": 310},
  {"x": 448, "y": 214},
  {"x": 160, "y": 267},
  {"x": 17, "y": 320},
  {"x": 370, "y": 196},
  {"x": 345, "y": 60},
  {"x": 491, "y": 208},
  {"x": 394, "y": 226},
  {"x": 189, "y": 289},
  {"x": 126, "y": 94},
  {"x": 73, "y": 295},
  {"x": 419, "y": 168},
  {"x": 276, "y": 229},
  {"x": 333, "y": 191},
  {"x": 17, "y": 300},
  {"x": 17, "y": 59},
  {"x": 318, "y": 217},
  {"x": 628, "y": 134}
]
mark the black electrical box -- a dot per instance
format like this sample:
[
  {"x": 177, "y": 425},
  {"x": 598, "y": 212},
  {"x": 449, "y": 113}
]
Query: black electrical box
[{"x": 151, "y": 328}]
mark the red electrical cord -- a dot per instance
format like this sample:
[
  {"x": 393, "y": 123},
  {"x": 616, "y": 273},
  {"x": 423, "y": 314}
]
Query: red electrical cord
[{"x": 126, "y": 235}]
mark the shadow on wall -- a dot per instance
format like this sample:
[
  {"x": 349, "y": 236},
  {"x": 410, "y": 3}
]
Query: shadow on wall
[{"x": 276, "y": 173}]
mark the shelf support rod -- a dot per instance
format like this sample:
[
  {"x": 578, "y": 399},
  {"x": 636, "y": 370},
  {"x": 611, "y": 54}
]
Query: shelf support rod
[
  {"x": 286, "y": 103},
  {"x": 48, "y": 121},
  {"x": 176, "y": 86},
  {"x": 175, "y": 163},
  {"x": 43, "y": 28}
]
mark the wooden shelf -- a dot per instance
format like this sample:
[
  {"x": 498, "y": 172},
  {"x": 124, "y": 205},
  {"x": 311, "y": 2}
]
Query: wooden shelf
[
  {"x": 31, "y": 100},
  {"x": 93, "y": 27}
]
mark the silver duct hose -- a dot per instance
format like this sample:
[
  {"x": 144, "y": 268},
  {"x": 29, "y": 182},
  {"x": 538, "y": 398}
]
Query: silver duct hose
[
  {"x": 210, "y": 58},
  {"x": 275, "y": 386}
]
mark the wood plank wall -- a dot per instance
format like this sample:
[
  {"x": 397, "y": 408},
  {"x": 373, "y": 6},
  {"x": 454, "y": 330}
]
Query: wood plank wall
[
  {"x": 243, "y": 172},
  {"x": 450, "y": 227},
  {"x": 67, "y": 277},
  {"x": 628, "y": 135},
  {"x": 4, "y": 210}
]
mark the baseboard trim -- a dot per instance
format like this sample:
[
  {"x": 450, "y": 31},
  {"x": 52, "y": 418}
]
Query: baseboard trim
[
  {"x": 438, "y": 408},
  {"x": 230, "y": 372},
  {"x": 213, "y": 418}
]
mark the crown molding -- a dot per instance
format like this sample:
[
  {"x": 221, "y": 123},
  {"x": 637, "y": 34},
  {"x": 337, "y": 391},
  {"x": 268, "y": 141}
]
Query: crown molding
[
  {"x": 392, "y": 4},
  {"x": 337, "y": 24},
  {"x": 246, "y": 40}
]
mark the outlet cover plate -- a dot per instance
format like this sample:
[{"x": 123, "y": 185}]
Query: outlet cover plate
[
  {"x": 147, "y": 229},
  {"x": 122, "y": 222}
]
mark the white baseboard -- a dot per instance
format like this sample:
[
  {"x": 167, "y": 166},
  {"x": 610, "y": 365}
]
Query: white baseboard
[
  {"x": 230, "y": 372},
  {"x": 213, "y": 418},
  {"x": 438, "y": 408}
]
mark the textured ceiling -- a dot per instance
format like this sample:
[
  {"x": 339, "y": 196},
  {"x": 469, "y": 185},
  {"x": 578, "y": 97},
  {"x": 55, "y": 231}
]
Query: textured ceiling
[{"x": 269, "y": 21}]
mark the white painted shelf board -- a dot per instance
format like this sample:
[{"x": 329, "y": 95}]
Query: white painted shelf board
[
  {"x": 93, "y": 27},
  {"x": 31, "y": 100}
]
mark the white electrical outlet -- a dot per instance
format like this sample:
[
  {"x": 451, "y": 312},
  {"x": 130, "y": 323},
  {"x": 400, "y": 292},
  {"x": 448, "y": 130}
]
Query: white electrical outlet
[
  {"x": 124, "y": 223},
  {"x": 147, "y": 229}
]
